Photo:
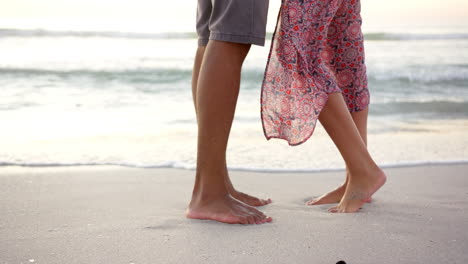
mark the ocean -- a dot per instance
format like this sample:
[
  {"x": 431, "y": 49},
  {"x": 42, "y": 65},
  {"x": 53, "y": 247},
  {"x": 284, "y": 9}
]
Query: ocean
[{"x": 124, "y": 98}]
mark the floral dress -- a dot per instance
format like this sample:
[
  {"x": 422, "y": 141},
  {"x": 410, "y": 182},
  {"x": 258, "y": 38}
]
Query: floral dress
[{"x": 317, "y": 49}]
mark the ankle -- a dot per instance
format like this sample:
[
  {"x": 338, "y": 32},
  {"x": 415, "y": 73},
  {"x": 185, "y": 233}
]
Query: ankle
[{"x": 365, "y": 171}]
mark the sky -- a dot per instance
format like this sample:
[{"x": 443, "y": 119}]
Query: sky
[{"x": 179, "y": 15}]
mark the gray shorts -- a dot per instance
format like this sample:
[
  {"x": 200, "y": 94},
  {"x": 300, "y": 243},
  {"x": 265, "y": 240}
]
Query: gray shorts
[{"x": 240, "y": 21}]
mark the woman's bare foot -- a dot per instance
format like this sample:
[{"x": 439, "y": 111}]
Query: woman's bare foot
[
  {"x": 225, "y": 209},
  {"x": 330, "y": 197},
  {"x": 359, "y": 191}
]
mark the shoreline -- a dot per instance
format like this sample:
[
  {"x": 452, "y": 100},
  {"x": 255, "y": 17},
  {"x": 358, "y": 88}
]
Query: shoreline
[{"x": 14, "y": 166}]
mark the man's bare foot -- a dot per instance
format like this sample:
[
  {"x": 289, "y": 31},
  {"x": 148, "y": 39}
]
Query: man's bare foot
[
  {"x": 225, "y": 209},
  {"x": 243, "y": 197},
  {"x": 248, "y": 199},
  {"x": 359, "y": 191}
]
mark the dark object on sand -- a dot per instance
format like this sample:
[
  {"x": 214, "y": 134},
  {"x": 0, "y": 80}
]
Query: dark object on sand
[{"x": 341, "y": 262}]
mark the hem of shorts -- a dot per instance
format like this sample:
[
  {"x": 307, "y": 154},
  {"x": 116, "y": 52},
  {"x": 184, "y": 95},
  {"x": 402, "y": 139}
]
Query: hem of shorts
[
  {"x": 202, "y": 41},
  {"x": 259, "y": 41}
]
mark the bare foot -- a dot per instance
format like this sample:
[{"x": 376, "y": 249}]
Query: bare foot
[
  {"x": 243, "y": 197},
  {"x": 226, "y": 210},
  {"x": 331, "y": 197},
  {"x": 248, "y": 199},
  {"x": 358, "y": 192}
]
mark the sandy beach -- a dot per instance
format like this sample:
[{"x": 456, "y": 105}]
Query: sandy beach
[{"x": 125, "y": 215}]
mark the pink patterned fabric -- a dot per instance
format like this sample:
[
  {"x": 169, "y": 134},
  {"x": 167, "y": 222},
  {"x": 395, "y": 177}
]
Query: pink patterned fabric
[{"x": 317, "y": 49}]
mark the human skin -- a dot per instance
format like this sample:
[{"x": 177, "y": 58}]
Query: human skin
[
  {"x": 215, "y": 89},
  {"x": 246, "y": 198},
  {"x": 334, "y": 196},
  {"x": 364, "y": 176}
]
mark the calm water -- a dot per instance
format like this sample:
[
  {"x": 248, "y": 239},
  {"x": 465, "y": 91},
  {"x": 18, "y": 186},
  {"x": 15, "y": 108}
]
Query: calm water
[{"x": 69, "y": 97}]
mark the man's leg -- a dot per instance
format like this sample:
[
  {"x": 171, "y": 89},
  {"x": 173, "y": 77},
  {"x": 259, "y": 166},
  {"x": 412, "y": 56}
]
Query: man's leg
[
  {"x": 360, "y": 120},
  {"x": 195, "y": 73},
  {"x": 365, "y": 177},
  {"x": 216, "y": 97},
  {"x": 243, "y": 197}
]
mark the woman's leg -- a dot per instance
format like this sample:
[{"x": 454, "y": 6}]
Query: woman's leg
[
  {"x": 334, "y": 196},
  {"x": 345, "y": 55},
  {"x": 365, "y": 177}
]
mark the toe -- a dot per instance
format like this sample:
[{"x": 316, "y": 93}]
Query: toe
[
  {"x": 333, "y": 210},
  {"x": 265, "y": 219},
  {"x": 261, "y": 214},
  {"x": 262, "y": 220},
  {"x": 243, "y": 220},
  {"x": 258, "y": 202},
  {"x": 251, "y": 220},
  {"x": 258, "y": 218}
]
